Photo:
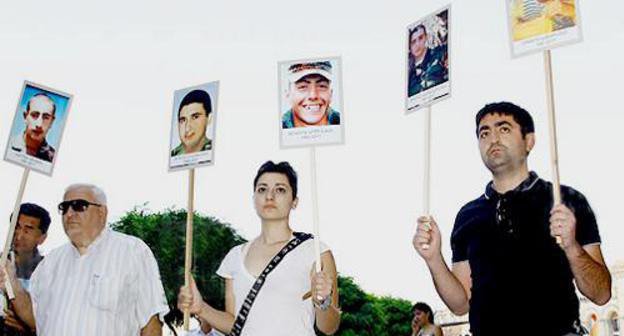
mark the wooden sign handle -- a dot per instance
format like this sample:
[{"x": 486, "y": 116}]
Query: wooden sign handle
[
  {"x": 9, "y": 239},
  {"x": 427, "y": 168},
  {"x": 554, "y": 156},
  {"x": 188, "y": 258},
  {"x": 315, "y": 210}
]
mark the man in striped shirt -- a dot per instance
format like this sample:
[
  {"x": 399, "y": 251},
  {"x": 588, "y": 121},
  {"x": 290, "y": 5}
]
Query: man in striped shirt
[{"x": 100, "y": 283}]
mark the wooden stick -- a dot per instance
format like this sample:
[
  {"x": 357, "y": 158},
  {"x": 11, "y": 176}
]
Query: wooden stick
[
  {"x": 427, "y": 162},
  {"x": 188, "y": 259},
  {"x": 9, "y": 239},
  {"x": 315, "y": 210},
  {"x": 427, "y": 168},
  {"x": 554, "y": 156}
]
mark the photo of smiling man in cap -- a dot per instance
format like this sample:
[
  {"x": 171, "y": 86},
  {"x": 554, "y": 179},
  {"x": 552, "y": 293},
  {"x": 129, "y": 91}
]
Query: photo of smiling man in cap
[
  {"x": 310, "y": 102},
  {"x": 309, "y": 94}
]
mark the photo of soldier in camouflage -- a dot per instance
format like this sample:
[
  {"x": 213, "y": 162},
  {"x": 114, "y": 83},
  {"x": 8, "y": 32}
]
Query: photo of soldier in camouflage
[
  {"x": 38, "y": 116},
  {"x": 428, "y": 54}
]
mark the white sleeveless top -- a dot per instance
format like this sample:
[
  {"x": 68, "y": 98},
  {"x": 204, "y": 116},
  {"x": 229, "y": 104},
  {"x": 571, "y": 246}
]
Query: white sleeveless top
[{"x": 279, "y": 308}]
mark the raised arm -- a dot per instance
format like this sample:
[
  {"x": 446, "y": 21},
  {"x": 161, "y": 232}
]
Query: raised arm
[
  {"x": 454, "y": 285},
  {"x": 22, "y": 303},
  {"x": 586, "y": 262},
  {"x": 324, "y": 285}
]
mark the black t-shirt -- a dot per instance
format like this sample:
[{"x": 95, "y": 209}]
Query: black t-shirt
[{"x": 520, "y": 276}]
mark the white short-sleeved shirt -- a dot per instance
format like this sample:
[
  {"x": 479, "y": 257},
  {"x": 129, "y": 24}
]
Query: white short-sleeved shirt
[
  {"x": 113, "y": 289},
  {"x": 280, "y": 299}
]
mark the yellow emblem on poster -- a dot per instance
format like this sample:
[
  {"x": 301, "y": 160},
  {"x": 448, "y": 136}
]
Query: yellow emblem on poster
[{"x": 537, "y": 25}]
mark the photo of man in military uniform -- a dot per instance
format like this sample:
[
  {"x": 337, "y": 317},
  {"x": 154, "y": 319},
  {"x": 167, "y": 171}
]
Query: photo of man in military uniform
[
  {"x": 309, "y": 93},
  {"x": 39, "y": 117},
  {"x": 428, "y": 66},
  {"x": 194, "y": 116}
]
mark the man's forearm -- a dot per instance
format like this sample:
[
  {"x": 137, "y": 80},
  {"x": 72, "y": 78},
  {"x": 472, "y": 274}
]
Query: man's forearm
[
  {"x": 448, "y": 286},
  {"x": 23, "y": 306},
  {"x": 592, "y": 278}
]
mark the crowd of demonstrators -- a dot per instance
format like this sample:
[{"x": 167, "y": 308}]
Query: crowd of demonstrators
[
  {"x": 514, "y": 250},
  {"x": 103, "y": 282}
]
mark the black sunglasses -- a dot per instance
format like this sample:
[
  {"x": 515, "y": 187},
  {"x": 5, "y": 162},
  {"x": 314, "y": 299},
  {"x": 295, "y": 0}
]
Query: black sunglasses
[{"x": 78, "y": 205}]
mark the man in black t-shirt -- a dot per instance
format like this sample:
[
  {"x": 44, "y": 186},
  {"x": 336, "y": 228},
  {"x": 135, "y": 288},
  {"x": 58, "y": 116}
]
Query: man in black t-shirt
[{"x": 507, "y": 267}]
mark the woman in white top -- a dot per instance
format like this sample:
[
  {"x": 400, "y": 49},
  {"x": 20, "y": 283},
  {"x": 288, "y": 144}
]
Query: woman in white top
[{"x": 294, "y": 297}]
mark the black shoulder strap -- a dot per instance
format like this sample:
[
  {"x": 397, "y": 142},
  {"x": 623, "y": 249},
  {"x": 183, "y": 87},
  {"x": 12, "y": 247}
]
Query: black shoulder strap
[{"x": 241, "y": 318}]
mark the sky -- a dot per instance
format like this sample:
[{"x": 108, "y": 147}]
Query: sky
[{"x": 122, "y": 61}]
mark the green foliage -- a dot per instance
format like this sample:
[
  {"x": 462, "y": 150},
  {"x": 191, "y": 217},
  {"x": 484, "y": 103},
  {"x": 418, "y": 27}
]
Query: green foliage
[
  {"x": 359, "y": 314},
  {"x": 363, "y": 314},
  {"x": 397, "y": 315},
  {"x": 165, "y": 234},
  {"x": 366, "y": 314}
]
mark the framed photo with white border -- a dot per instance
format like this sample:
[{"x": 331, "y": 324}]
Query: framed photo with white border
[
  {"x": 310, "y": 102},
  {"x": 37, "y": 128},
  {"x": 537, "y": 25},
  {"x": 428, "y": 61},
  {"x": 193, "y": 126}
]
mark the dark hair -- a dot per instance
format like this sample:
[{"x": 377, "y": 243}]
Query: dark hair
[
  {"x": 420, "y": 26},
  {"x": 423, "y": 307},
  {"x": 283, "y": 168},
  {"x": 443, "y": 15},
  {"x": 41, "y": 94},
  {"x": 33, "y": 210},
  {"x": 197, "y": 96},
  {"x": 520, "y": 115}
]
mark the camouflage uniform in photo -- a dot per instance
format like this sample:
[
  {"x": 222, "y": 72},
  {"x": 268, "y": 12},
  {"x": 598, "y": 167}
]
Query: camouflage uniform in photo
[
  {"x": 45, "y": 151},
  {"x": 430, "y": 72},
  {"x": 288, "y": 120},
  {"x": 180, "y": 149}
]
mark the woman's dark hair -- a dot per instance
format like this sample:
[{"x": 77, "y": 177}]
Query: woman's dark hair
[
  {"x": 423, "y": 307},
  {"x": 283, "y": 168}
]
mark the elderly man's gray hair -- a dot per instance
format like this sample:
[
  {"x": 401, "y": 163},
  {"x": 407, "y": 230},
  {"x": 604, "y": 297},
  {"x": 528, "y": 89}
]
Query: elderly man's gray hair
[{"x": 98, "y": 193}]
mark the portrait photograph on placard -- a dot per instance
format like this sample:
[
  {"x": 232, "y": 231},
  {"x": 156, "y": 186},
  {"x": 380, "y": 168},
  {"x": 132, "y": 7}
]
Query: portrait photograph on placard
[
  {"x": 537, "y": 25},
  {"x": 193, "y": 126},
  {"x": 37, "y": 128},
  {"x": 428, "y": 61},
  {"x": 310, "y": 102}
]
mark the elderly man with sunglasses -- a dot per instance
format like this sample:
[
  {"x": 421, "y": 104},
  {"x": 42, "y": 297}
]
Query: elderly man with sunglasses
[{"x": 100, "y": 283}]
